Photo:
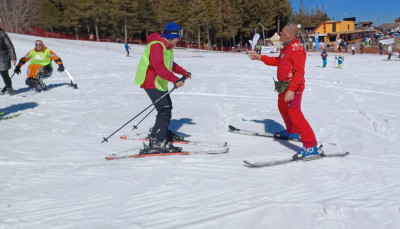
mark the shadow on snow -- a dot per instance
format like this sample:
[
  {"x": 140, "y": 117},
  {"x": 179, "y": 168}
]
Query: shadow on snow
[
  {"x": 175, "y": 125},
  {"x": 18, "y": 107},
  {"x": 270, "y": 126}
]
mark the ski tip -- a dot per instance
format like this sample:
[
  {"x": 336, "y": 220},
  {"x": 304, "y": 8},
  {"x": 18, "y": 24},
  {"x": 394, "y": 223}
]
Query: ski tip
[
  {"x": 232, "y": 128},
  {"x": 248, "y": 163},
  {"x": 124, "y": 137}
]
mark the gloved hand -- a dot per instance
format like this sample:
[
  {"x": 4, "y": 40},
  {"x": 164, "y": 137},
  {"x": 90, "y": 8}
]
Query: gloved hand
[
  {"x": 60, "y": 68},
  {"x": 188, "y": 75},
  {"x": 180, "y": 82},
  {"x": 17, "y": 69}
]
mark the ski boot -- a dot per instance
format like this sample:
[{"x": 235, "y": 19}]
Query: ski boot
[
  {"x": 285, "y": 135},
  {"x": 10, "y": 91},
  {"x": 158, "y": 147},
  {"x": 308, "y": 152},
  {"x": 172, "y": 136}
]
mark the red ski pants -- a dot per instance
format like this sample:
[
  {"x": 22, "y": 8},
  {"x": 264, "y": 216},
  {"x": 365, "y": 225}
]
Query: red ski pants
[{"x": 294, "y": 119}]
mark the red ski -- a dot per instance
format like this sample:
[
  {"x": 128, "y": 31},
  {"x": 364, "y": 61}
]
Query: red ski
[{"x": 212, "y": 151}]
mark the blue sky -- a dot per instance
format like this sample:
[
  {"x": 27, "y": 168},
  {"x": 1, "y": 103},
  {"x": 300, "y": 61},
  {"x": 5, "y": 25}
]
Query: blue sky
[{"x": 377, "y": 11}]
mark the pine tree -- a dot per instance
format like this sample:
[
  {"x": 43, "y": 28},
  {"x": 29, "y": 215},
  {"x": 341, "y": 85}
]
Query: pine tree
[
  {"x": 74, "y": 15},
  {"x": 197, "y": 18},
  {"x": 123, "y": 17},
  {"x": 146, "y": 17},
  {"x": 50, "y": 12},
  {"x": 230, "y": 19}
]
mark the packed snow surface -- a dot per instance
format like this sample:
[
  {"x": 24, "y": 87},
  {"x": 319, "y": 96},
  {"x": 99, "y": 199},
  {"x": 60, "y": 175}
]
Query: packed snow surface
[{"x": 53, "y": 172}]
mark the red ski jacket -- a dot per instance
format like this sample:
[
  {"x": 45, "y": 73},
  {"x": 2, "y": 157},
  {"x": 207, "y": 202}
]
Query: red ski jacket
[
  {"x": 291, "y": 63},
  {"x": 156, "y": 66}
]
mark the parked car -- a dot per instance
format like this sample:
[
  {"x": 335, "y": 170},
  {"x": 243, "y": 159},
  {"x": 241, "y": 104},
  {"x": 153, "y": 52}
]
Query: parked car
[
  {"x": 379, "y": 36},
  {"x": 394, "y": 34}
]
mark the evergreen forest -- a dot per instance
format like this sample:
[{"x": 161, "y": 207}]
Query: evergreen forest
[{"x": 221, "y": 22}]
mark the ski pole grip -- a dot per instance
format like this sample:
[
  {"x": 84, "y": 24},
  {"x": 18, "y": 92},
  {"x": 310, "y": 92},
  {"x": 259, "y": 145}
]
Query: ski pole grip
[{"x": 182, "y": 79}]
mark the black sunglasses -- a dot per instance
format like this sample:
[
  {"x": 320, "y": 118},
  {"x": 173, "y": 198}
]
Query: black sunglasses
[{"x": 38, "y": 44}]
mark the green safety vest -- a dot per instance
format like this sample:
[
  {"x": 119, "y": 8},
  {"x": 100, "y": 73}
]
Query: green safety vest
[
  {"x": 42, "y": 58},
  {"x": 160, "y": 83}
]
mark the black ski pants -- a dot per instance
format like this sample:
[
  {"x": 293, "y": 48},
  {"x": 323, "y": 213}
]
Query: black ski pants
[
  {"x": 6, "y": 79},
  {"x": 163, "y": 118}
]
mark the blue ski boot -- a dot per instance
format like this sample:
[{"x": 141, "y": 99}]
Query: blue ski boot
[
  {"x": 285, "y": 135},
  {"x": 306, "y": 152}
]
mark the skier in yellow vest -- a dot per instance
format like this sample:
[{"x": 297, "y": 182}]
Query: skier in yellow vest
[
  {"x": 40, "y": 67},
  {"x": 156, "y": 68}
]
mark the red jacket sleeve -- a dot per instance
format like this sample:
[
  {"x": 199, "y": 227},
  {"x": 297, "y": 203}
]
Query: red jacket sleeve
[
  {"x": 272, "y": 61},
  {"x": 298, "y": 60},
  {"x": 157, "y": 62},
  {"x": 178, "y": 69}
]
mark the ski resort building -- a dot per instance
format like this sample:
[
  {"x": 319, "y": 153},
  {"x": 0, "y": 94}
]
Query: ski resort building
[{"x": 346, "y": 30}]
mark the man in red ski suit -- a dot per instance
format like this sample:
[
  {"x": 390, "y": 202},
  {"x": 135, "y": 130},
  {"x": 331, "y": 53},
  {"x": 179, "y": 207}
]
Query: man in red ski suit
[{"x": 291, "y": 63}]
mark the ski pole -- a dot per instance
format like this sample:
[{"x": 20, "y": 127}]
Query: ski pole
[
  {"x": 169, "y": 92},
  {"x": 4, "y": 88},
  {"x": 72, "y": 80},
  {"x": 135, "y": 126},
  {"x": 106, "y": 139}
]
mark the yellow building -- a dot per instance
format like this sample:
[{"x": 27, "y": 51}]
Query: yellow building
[
  {"x": 329, "y": 30},
  {"x": 334, "y": 26}
]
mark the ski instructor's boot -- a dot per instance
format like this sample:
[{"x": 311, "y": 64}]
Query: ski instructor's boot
[{"x": 307, "y": 153}]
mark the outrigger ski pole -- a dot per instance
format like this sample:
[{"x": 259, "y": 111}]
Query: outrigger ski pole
[
  {"x": 135, "y": 126},
  {"x": 72, "y": 80}
]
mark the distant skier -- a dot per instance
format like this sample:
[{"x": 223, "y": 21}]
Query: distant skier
[
  {"x": 346, "y": 45},
  {"x": 390, "y": 52},
  {"x": 258, "y": 48},
  {"x": 127, "y": 48},
  {"x": 40, "y": 67},
  {"x": 380, "y": 48},
  {"x": 7, "y": 55},
  {"x": 353, "y": 49},
  {"x": 361, "y": 48},
  {"x": 324, "y": 56},
  {"x": 340, "y": 61},
  {"x": 290, "y": 86},
  {"x": 156, "y": 68}
]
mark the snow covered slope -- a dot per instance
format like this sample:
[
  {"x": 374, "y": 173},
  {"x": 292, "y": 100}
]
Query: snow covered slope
[{"x": 53, "y": 173}]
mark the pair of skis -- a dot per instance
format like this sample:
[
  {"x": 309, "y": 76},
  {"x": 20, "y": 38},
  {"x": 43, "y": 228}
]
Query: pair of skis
[
  {"x": 285, "y": 161},
  {"x": 222, "y": 148},
  {"x": 219, "y": 148}
]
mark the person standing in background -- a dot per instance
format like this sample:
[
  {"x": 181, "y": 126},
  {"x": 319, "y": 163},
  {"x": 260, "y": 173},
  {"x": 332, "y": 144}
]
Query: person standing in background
[
  {"x": 7, "y": 55},
  {"x": 390, "y": 51},
  {"x": 324, "y": 56},
  {"x": 127, "y": 48}
]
